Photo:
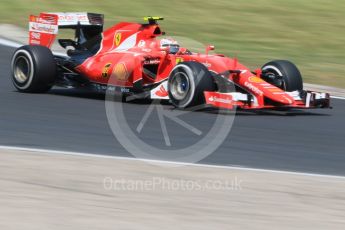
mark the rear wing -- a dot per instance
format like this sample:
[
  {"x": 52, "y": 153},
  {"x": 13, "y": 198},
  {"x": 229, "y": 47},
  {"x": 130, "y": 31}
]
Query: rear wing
[
  {"x": 44, "y": 28},
  {"x": 72, "y": 20}
]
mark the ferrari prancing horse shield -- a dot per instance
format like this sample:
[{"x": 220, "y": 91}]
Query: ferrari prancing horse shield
[{"x": 118, "y": 37}]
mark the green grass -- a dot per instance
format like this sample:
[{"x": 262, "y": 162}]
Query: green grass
[{"x": 309, "y": 33}]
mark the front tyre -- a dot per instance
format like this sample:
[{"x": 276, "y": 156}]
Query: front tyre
[
  {"x": 187, "y": 83},
  {"x": 33, "y": 69},
  {"x": 285, "y": 75}
]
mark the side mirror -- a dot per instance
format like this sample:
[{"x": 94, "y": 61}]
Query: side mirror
[{"x": 209, "y": 48}]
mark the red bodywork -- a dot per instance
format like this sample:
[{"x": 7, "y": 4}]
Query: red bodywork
[{"x": 127, "y": 47}]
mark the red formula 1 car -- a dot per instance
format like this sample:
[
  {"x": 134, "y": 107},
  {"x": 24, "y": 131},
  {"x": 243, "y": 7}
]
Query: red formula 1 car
[{"x": 133, "y": 59}]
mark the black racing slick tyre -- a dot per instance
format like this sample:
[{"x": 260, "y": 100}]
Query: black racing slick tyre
[
  {"x": 33, "y": 69},
  {"x": 187, "y": 83},
  {"x": 288, "y": 72}
]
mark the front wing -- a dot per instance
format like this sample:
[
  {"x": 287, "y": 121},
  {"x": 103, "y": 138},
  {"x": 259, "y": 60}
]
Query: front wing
[{"x": 302, "y": 100}]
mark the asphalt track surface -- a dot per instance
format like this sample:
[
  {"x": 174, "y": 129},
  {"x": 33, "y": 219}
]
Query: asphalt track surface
[{"x": 311, "y": 142}]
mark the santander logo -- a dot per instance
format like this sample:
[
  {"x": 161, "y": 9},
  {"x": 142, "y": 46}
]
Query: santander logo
[{"x": 162, "y": 92}]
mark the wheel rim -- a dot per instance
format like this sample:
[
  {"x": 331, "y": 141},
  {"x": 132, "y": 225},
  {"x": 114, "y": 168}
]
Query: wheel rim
[
  {"x": 276, "y": 72},
  {"x": 180, "y": 86},
  {"x": 22, "y": 69}
]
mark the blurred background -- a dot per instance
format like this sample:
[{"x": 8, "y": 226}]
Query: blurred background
[{"x": 309, "y": 33}]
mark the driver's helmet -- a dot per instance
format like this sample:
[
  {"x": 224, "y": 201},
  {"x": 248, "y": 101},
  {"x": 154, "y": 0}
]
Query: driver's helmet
[{"x": 173, "y": 45}]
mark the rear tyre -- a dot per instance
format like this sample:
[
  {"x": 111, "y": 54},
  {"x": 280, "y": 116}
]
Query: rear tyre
[
  {"x": 33, "y": 69},
  {"x": 187, "y": 83},
  {"x": 287, "y": 72}
]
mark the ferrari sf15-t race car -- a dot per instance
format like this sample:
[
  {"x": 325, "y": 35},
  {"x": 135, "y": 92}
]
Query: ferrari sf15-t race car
[{"x": 134, "y": 59}]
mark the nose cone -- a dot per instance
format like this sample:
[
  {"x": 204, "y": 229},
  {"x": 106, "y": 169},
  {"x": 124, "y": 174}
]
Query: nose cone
[
  {"x": 286, "y": 99},
  {"x": 278, "y": 95},
  {"x": 262, "y": 88}
]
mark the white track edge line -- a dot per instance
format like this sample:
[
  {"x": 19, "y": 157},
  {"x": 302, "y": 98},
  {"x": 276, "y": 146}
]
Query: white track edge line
[
  {"x": 242, "y": 168},
  {"x": 340, "y": 98}
]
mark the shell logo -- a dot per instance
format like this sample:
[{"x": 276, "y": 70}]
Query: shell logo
[
  {"x": 105, "y": 71},
  {"x": 255, "y": 79},
  {"x": 120, "y": 72}
]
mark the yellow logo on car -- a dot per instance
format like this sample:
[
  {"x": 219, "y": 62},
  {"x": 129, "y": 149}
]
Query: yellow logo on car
[
  {"x": 118, "y": 37},
  {"x": 179, "y": 60},
  {"x": 256, "y": 80},
  {"x": 105, "y": 71}
]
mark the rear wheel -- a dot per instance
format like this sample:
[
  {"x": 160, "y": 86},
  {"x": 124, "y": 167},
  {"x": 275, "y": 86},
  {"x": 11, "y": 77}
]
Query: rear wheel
[
  {"x": 283, "y": 74},
  {"x": 187, "y": 83},
  {"x": 33, "y": 69}
]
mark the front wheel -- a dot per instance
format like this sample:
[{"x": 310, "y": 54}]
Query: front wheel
[
  {"x": 283, "y": 74},
  {"x": 33, "y": 69},
  {"x": 187, "y": 83}
]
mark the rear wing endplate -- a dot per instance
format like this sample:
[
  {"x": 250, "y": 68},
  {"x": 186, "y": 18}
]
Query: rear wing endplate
[{"x": 44, "y": 28}]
